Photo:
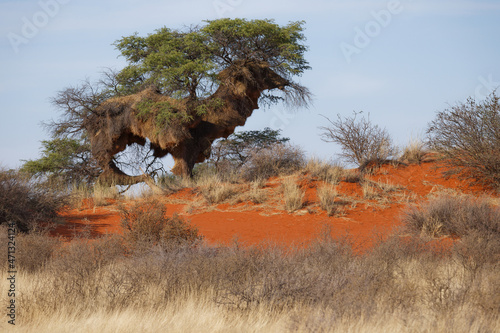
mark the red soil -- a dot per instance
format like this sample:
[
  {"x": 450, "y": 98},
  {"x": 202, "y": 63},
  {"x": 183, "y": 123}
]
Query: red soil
[{"x": 249, "y": 223}]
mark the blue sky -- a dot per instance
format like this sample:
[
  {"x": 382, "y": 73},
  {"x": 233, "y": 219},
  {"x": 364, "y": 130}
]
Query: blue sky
[{"x": 401, "y": 61}]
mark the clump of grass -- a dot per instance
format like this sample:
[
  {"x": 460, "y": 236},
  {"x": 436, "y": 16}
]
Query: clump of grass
[
  {"x": 293, "y": 195},
  {"x": 414, "y": 152},
  {"x": 256, "y": 194},
  {"x": 326, "y": 196},
  {"x": 214, "y": 190},
  {"x": 102, "y": 194},
  {"x": 369, "y": 190},
  {"x": 352, "y": 176},
  {"x": 325, "y": 171}
]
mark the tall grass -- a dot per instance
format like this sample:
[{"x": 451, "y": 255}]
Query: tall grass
[{"x": 402, "y": 284}]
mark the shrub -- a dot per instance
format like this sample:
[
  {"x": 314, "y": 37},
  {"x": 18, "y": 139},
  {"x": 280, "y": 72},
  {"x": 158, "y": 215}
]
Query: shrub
[
  {"x": 279, "y": 159},
  {"x": 146, "y": 224},
  {"x": 467, "y": 136},
  {"x": 458, "y": 216},
  {"x": 27, "y": 203},
  {"x": 360, "y": 140}
]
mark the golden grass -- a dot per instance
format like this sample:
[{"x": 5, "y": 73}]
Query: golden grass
[
  {"x": 214, "y": 190},
  {"x": 326, "y": 196},
  {"x": 292, "y": 195},
  {"x": 420, "y": 294}
]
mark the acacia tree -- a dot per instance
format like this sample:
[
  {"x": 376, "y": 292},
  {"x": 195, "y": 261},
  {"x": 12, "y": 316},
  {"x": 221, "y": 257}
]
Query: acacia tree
[
  {"x": 187, "y": 63},
  {"x": 186, "y": 66}
]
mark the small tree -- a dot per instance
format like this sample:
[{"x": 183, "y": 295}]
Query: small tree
[
  {"x": 360, "y": 140},
  {"x": 468, "y": 137}
]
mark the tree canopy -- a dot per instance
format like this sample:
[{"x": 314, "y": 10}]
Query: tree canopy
[{"x": 185, "y": 63}]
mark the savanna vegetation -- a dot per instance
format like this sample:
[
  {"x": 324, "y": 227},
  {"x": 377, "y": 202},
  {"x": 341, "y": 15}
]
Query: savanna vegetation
[{"x": 438, "y": 273}]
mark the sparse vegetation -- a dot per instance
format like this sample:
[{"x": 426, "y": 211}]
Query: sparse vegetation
[
  {"x": 457, "y": 216},
  {"x": 146, "y": 224},
  {"x": 214, "y": 190},
  {"x": 414, "y": 152}
]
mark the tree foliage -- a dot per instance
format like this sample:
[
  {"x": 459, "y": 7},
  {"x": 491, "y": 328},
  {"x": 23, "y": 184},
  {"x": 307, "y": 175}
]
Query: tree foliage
[
  {"x": 64, "y": 160},
  {"x": 467, "y": 135},
  {"x": 185, "y": 63}
]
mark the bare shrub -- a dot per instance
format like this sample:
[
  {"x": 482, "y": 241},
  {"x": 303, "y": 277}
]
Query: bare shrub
[
  {"x": 327, "y": 172},
  {"x": 278, "y": 159},
  {"x": 293, "y": 195},
  {"x": 360, "y": 140},
  {"x": 27, "y": 203},
  {"x": 467, "y": 136},
  {"x": 447, "y": 215},
  {"x": 146, "y": 223},
  {"x": 326, "y": 196}
]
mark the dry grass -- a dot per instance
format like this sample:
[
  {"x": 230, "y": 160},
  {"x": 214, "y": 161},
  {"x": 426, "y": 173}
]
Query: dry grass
[
  {"x": 98, "y": 195},
  {"x": 326, "y": 196},
  {"x": 445, "y": 215},
  {"x": 370, "y": 190},
  {"x": 292, "y": 194},
  {"x": 214, "y": 190},
  {"x": 256, "y": 194},
  {"x": 402, "y": 285},
  {"x": 414, "y": 152},
  {"x": 324, "y": 171}
]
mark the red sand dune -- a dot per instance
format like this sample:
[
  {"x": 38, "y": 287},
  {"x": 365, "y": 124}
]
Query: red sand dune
[{"x": 252, "y": 223}]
